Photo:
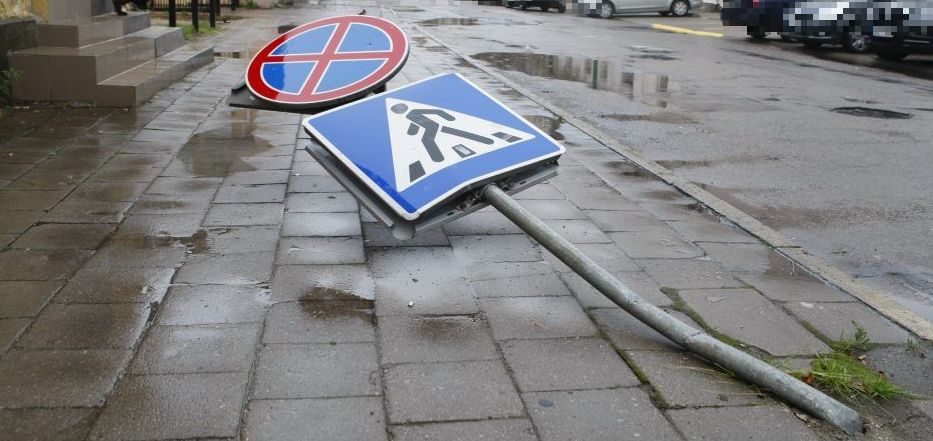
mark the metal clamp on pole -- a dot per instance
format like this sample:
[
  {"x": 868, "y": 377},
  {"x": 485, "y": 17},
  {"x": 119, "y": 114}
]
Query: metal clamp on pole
[{"x": 699, "y": 342}]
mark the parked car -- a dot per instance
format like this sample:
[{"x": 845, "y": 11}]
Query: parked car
[
  {"x": 819, "y": 22},
  {"x": 609, "y": 8},
  {"x": 758, "y": 16},
  {"x": 901, "y": 28},
  {"x": 543, "y": 4}
]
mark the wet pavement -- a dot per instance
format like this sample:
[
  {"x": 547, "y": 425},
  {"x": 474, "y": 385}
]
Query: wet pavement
[{"x": 186, "y": 271}]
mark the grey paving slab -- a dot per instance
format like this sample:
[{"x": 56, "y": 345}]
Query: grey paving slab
[
  {"x": 500, "y": 270},
  {"x": 16, "y": 222},
  {"x": 428, "y": 278},
  {"x": 197, "y": 349},
  {"x": 40, "y": 264},
  {"x": 521, "y": 286},
  {"x": 47, "y": 424},
  {"x": 6, "y": 239},
  {"x": 685, "y": 381},
  {"x": 746, "y": 423},
  {"x": 25, "y": 299},
  {"x": 711, "y": 228},
  {"x": 320, "y": 322},
  {"x": 257, "y": 177},
  {"x": 536, "y": 317},
  {"x": 799, "y": 287},
  {"x": 748, "y": 316},
  {"x": 628, "y": 333},
  {"x": 317, "y": 371},
  {"x": 433, "y": 392},
  {"x": 579, "y": 231},
  {"x": 320, "y": 250},
  {"x": 321, "y": 224},
  {"x": 41, "y": 179},
  {"x": 86, "y": 211},
  {"x": 322, "y": 282},
  {"x": 378, "y": 235},
  {"x": 688, "y": 273},
  {"x": 102, "y": 326},
  {"x": 10, "y": 329},
  {"x": 417, "y": 339},
  {"x": 30, "y": 200},
  {"x": 681, "y": 211},
  {"x": 180, "y": 186},
  {"x": 59, "y": 378},
  {"x": 910, "y": 369},
  {"x": 596, "y": 415},
  {"x": 321, "y": 203},
  {"x": 512, "y": 429},
  {"x": 625, "y": 221},
  {"x": 116, "y": 285},
  {"x": 314, "y": 184},
  {"x": 172, "y": 204},
  {"x": 551, "y": 209},
  {"x": 242, "y": 194},
  {"x": 742, "y": 257},
  {"x": 177, "y": 406},
  {"x": 212, "y": 304},
  {"x": 609, "y": 256},
  {"x": 566, "y": 364},
  {"x": 227, "y": 269},
  {"x": 482, "y": 223},
  {"x": 331, "y": 419},
  {"x": 835, "y": 321},
  {"x": 244, "y": 214},
  {"x": 655, "y": 244},
  {"x": 138, "y": 252},
  {"x": 503, "y": 248},
  {"x": 109, "y": 191},
  {"x": 639, "y": 282},
  {"x": 109, "y": 173},
  {"x": 230, "y": 240},
  {"x": 159, "y": 225}
]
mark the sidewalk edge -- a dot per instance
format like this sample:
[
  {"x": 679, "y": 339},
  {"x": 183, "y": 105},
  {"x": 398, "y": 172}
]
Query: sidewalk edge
[{"x": 874, "y": 298}]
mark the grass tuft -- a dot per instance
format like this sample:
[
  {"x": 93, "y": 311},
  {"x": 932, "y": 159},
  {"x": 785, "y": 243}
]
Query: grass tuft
[
  {"x": 7, "y": 78},
  {"x": 858, "y": 342},
  {"x": 844, "y": 376}
]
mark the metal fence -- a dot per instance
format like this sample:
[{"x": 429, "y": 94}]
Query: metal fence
[{"x": 163, "y": 4}]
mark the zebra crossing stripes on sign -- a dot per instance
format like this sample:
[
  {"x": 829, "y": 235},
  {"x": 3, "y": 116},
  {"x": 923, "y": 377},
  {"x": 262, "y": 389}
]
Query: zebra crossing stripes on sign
[{"x": 420, "y": 145}]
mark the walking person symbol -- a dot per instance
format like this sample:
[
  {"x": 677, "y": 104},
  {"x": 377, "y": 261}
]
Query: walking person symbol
[{"x": 420, "y": 121}]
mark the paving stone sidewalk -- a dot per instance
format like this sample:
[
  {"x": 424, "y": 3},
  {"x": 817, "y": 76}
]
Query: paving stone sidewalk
[{"x": 185, "y": 270}]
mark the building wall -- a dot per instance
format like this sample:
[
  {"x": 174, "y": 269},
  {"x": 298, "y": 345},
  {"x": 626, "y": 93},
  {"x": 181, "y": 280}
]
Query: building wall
[{"x": 15, "y": 8}]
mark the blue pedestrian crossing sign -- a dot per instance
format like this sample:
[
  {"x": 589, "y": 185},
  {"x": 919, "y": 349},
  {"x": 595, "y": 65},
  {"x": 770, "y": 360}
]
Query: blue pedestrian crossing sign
[{"x": 420, "y": 145}]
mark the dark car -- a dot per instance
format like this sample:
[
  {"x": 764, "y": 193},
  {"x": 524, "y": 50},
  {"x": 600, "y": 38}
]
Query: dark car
[
  {"x": 816, "y": 22},
  {"x": 758, "y": 16},
  {"x": 901, "y": 28},
  {"x": 543, "y": 4}
]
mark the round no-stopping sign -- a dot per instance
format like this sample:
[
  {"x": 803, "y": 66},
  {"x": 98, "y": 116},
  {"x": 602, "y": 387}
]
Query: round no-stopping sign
[{"x": 328, "y": 62}]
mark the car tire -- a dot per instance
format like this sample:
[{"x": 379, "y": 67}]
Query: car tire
[
  {"x": 545, "y": 8},
  {"x": 753, "y": 32},
  {"x": 607, "y": 9},
  {"x": 856, "y": 43},
  {"x": 891, "y": 54},
  {"x": 524, "y": 6},
  {"x": 509, "y": 5},
  {"x": 561, "y": 7},
  {"x": 680, "y": 8},
  {"x": 665, "y": 13},
  {"x": 812, "y": 44}
]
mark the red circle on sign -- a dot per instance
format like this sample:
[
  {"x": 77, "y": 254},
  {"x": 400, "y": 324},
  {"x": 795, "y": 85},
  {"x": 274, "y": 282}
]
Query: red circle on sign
[{"x": 393, "y": 60}]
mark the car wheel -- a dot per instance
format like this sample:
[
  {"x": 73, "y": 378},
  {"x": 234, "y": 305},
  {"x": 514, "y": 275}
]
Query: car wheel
[
  {"x": 787, "y": 38},
  {"x": 509, "y": 5},
  {"x": 856, "y": 43},
  {"x": 891, "y": 54},
  {"x": 607, "y": 9},
  {"x": 679, "y": 8},
  {"x": 753, "y": 32},
  {"x": 812, "y": 44},
  {"x": 665, "y": 13},
  {"x": 545, "y": 8},
  {"x": 524, "y": 6},
  {"x": 561, "y": 8}
]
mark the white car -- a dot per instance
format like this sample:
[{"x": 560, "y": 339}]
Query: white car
[{"x": 608, "y": 8}]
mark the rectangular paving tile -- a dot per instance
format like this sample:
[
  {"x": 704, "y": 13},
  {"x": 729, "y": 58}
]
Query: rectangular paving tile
[
  {"x": 322, "y": 282},
  {"x": 711, "y": 228},
  {"x": 172, "y": 204},
  {"x": 47, "y": 424},
  {"x": 135, "y": 252},
  {"x": 320, "y": 250},
  {"x": 40, "y": 264},
  {"x": 482, "y": 223},
  {"x": 551, "y": 209},
  {"x": 320, "y": 322},
  {"x": 748, "y": 316},
  {"x": 746, "y": 423},
  {"x": 521, "y": 286},
  {"x": 566, "y": 364},
  {"x": 431, "y": 392},
  {"x": 500, "y": 270},
  {"x": 244, "y": 194},
  {"x": 688, "y": 273},
  {"x": 378, "y": 235},
  {"x": 226, "y": 269},
  {"x": 331, "y": 419},
  {"x": 314, "y": 184},
  {"x": 30, "y": 200},
  {"x": 536, "y": 317},
  {"x": 624, "y": 221},
  {"x": 110, "y": 191},
  {"x": 800, "y": 287},
  {"x": 741, "y": 257},
  {"x": 235, "y": 240},
  {"x": 10, "y": 330},
  {"x": 656, "y": 244},
  {"x": 59, "y": 378},
  {"x": 598, "y": 415},
  {"x": 42, "y": 180},
  {"x": 159, "y": 225},
  {"x": 179, "y": 406},
  {"x": 15, "y": 222},
  {"x": 417, "y": 339},
  {"x": 86, "y": 211},
  {"x": 244, "y": 214},
  {"x": 25, "y": 299},
  {"x": 180, "y": 186},
  {"x": 115, "y": 326},
  {"x": 64, "y": 236},
  {"x": 116, "y": 285},
  {"x": 321, "y": 203},
  {"x": 639, "y": 282},
  {"x": 628, "y": 333},
  {"x": 317, "y": 371},
  {"x": 321, "y": 224},
  {"x": 609, "y": 256},
  {"x": 255, "y": 177},
  {"x": 578, "y": 231},
  {"x": 212, "y": 304},
  {"x": 512, "y": 429},
  {"x": 503, "y": 248},
  {"x": 426, "y": 278},
  {"x": 835, "y": 321},
  {"x": 197, "y": 349}
]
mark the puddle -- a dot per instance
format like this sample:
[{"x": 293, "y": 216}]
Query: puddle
[
  {"x": 328, "y": 293},
  {"x": 547, "y": 124},
  {"x": 219, "y": 152},
  {"x": 651, "y": 89},
  {"x": 339, "y": 309},
  {"x": 871, "y": 113},
  {"x": 661, "y": 57},
  {"x": 450, "y": 21}
]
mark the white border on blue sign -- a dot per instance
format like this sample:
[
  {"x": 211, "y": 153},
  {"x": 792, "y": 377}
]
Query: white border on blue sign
[{"x": 385, "y": 196}]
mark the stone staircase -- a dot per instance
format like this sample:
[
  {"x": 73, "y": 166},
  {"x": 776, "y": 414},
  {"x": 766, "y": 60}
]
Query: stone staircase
[{"x": 108, "y": 60}]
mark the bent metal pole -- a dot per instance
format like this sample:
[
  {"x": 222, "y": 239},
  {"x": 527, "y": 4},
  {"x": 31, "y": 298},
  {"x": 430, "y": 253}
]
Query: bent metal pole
[{"x": 699, "y": 342}]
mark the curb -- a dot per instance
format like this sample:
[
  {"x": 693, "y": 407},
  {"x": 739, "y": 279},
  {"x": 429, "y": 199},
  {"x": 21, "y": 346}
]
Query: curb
[{"x": 829, "y": 274}]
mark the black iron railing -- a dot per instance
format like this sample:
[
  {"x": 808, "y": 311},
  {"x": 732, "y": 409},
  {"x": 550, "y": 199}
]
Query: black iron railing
[{"x": 195, "y": 7}]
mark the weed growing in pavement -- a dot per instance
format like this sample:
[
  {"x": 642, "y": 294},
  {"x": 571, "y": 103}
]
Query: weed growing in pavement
[
  {"x": 189, "y": 32},
  {"x": 841, "y": 375},
  {"x": 858, "y": 342},
  {"x": 913, "y": 346},
  {"x": 250, "y": 4},
  {"x": 7, "y": 77}
]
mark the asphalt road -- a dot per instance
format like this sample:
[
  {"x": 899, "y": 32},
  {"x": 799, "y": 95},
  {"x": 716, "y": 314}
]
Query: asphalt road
[{"x": 752, "y": 122}]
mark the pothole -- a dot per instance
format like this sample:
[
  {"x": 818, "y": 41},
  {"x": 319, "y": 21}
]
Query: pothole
[{"x": 871, "y": 113}]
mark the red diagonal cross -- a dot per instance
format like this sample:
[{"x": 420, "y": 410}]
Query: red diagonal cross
[{"x": 329, "y": 55}]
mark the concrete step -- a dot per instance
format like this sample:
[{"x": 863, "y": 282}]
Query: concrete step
[
  {"x": 70, "y": 74},
  {"x": 78, "y": 32},
  {"x": 137, "y": 85}
]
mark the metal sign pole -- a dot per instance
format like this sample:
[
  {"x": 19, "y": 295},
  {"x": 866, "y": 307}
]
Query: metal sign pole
[{"x": 699, "y": 342}]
